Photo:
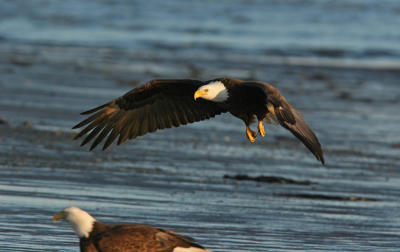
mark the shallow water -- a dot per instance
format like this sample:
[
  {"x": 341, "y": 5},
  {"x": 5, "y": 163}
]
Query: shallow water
[
  {"x": 65, "y": 59},
  {"x": 351, "y": 32},
  {"x": 174, "y": 178}
]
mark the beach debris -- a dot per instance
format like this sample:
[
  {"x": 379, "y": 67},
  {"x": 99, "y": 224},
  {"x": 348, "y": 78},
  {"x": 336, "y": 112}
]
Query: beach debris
[
  {"x": 27, "y": 124},
  {"x": 324, "y": 197},
  {"x": 3, "y": 122},
  {"x": 270, "y": 179}
]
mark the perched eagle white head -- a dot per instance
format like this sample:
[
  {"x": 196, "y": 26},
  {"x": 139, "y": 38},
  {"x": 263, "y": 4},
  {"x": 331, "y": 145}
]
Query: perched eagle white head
[
  {"x": 96, "y": 236},
  {"x": 81, "y": 221}
]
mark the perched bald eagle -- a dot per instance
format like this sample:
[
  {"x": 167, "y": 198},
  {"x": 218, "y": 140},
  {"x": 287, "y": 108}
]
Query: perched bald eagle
[
  {"x": 160, "y": 104},
  {"x": 98, "y": 237}
]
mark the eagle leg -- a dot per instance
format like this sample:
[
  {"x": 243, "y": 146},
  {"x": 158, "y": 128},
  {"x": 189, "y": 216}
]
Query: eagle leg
[
  {"x": 261, "y": 128},
  {"x": 251, "y": 135}
]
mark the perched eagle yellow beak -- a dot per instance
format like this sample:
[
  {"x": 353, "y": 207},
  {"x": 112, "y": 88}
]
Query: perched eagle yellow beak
[
  {"x": 59, "y": 216},
  {"x": 199, "y": 93}
]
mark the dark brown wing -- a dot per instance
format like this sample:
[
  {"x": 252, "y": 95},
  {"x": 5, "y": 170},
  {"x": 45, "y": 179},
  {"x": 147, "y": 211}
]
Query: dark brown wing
[
  {"x": 143, "y": 238},
  {"x": 86, "y": 245},
  {"x": 171, "y": 239},
  {"x": 289, "y": 118},
  {"x": 156, "y": 105}
]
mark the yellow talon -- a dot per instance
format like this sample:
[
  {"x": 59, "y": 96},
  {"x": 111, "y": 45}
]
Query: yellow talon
[
  {"x": 251, "y": 135},
  {"x": 261, "y": 128}
]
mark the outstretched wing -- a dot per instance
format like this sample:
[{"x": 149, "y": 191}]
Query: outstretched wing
[
  {"x": 289, "y": 118},
  {"x": 158, "y": 104}
]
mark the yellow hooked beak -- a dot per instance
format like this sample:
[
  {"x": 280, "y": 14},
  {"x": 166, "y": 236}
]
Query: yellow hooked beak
[
  {"x": 59, "y": 216},
  {"x": 199, "y": 93}
]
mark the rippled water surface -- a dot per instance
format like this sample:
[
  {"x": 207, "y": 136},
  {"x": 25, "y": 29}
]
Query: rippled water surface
[{"x": 336, "y": 61}]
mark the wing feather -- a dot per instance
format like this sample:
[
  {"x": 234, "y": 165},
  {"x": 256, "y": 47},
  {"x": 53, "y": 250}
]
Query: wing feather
[
  {"x": 287, "y": 116},
  {"x": 131, "y": 121},
  {"x": 94, "y": 132},
  {"x": 113, "y": 135},
  {"x": 143, "y": 126},
  {"x": 102, "y": 135},
  {"x": 90, "y": 126},
  {"x": 182, "y": 113},
  {"x": 140, "y": 238},
  {"x": 129, "y": 127},
  {"x": 156, "y": 111},
  {"x": 95, "y": 109},
  {"x": 152, "y": 123},
  {"x": 189, "y": 115},
  {"x": 156, "y": 105},
  {"x": 173, "y": 115},
  {"x": 167, "y": 122},
  {"x": 88, "y": 120},
  {"x": 291, "y": 120},
  {"x": 110, "y": 124}
]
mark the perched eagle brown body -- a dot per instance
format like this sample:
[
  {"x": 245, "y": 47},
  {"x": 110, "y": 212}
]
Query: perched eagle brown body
[
  {"x": 98, "y": 237},
  {"x": 161, "y": 104}
]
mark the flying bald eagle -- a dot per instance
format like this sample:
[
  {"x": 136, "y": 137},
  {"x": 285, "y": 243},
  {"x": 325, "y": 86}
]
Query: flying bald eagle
[
  {"x": 161, "y": 104},
  {"x": 97, "y": 237}
]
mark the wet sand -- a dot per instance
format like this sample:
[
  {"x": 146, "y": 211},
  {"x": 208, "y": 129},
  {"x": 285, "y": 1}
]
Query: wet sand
[{"x": 175, "y": 178}]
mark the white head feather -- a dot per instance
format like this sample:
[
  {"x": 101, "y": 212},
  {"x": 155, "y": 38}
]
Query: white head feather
[
  {"x": 216, "y": 91},
  {"x": 81, "y": 221}
]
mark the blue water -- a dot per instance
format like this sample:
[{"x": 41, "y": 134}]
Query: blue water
[
  {"x": 340, "y": 32},
  {"x": 58, "y": 58}
]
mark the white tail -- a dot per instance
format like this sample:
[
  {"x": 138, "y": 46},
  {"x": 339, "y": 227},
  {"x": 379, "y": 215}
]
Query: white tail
[{"x": 190, "y": 249}]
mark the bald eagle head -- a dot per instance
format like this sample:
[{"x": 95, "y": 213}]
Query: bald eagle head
[
  {"x": 81, "y": 221},
  {"x": 214, "y": 91}
]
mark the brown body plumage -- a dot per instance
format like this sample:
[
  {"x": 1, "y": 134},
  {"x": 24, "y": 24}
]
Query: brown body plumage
[
  {"x": 98, "y": 237},
  {"x": 133, "y": 238},
  {"x": 163, "y": 104}
]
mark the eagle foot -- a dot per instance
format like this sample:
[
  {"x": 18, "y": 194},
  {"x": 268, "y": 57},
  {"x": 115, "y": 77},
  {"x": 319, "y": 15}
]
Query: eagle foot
[
  {"x": 261, "y": 128},
  {"x": 251, "y": 135}
]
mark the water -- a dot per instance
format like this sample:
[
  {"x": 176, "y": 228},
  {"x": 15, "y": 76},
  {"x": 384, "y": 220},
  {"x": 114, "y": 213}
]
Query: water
[
  {"x": 336, "y": 61},
  {"x": 350, "y": 33}
]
